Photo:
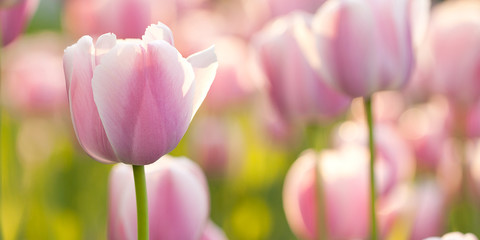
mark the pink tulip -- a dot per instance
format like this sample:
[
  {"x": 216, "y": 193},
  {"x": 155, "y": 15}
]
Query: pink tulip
[
  {"x": 14, "y": 19},
  {"x": 454, "y": 236},
  {"x": 234, "y": 82},
  {"x": 395, "y": 160},
  {"x": 366, "y": 46},
  {"x": 125, "y": 18},
  {"x": 428, "y": 211},
  {"x": 213, "y": 232},
  {"x": 132, "y": 100},
  {"x": 427, "y": 127},
  {"x": 449, "y": 58},
  {"x": 344, "y": 177},
  {"x": 296, "y": 90},
  {"x": 33, "y": 78},
  {"x": 178, "y": 200},
  {"x": 217, "y": 145}
]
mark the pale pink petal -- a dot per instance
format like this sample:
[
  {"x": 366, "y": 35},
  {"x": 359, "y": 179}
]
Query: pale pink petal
[
  {"x": 158, "y": 31},
  {"x": 205, "y": 65},
  {"x": 213, "y": 232},
  {"x": 78, "y": 65},
  {"x": 144, "y": 98},
  {"x": 104, "y": 44}
]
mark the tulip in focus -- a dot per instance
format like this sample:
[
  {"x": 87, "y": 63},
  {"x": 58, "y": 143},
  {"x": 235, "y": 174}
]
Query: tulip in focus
[
  {"x": 132, "y": 100},
  {"x": 297, "y": 91},
  {"x": 14, "y": 18},
  {"x": 454, "y": 236},
  {"x": 365, "y": 46},
  {"x": 178, "y": 200}
]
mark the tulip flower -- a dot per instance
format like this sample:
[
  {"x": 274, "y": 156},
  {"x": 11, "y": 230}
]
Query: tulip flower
[
  {"x": 449, "y": 58},
  {"x": 14, "y": 18},
  {"x": 177, "y": 196},
  {"x": 454, "y": 236},
  {"x": 296, "y": 90},
  {"x": 343, "y": 176},
  {"x": 428, "y": 210},
  {"x": 33, "y": 76},
  {"x": 366, "y": 46},
  {"x": 132, "y": 100}
]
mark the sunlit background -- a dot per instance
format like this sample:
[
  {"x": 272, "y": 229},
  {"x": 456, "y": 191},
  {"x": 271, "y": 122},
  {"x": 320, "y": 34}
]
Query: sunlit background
[{"x": 253, "y": 125}]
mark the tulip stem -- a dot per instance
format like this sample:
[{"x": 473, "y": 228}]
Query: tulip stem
[
  {"x": 142, "y": 202},
  {"x": 371, "y": 144}
]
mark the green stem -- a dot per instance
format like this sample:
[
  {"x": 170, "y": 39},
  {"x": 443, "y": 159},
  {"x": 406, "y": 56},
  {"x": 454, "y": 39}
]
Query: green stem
[
  {"x": 371, "y": 144},
  {"x": 142, "y": 202}
]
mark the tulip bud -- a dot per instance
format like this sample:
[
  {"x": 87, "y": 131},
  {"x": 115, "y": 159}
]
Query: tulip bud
[
  {"x": 296, "y": 90},
  {"x": 365, "y": 46},
  {"x": 178, "y": 200},
  {"x": 15, "y": 18}
]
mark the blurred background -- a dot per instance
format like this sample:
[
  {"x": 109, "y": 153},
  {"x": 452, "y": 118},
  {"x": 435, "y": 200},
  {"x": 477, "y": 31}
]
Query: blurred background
[{"x": 264, "y": 110}]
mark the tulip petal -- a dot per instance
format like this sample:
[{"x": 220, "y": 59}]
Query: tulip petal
[
  {"x": 104, "y": 44},
  {"x": 158, "y": 31},
  {"x": 78, "y": 65},
  {"x": 205, "y": 66},
  {"x": 144, "y": 99}
]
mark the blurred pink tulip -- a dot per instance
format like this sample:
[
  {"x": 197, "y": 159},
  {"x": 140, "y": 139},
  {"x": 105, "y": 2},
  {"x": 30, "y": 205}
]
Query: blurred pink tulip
[
  {"x": 33, "y": 78},
  {"x": 234, "y": 83},
  {"x": 14, "y": 18},
  {"x": 395, "y": 160},
  {"x": 125, "y": 18},
  {"x": 213, "y": 232},
  {"x": 343, "y": 177},
  {"x": 217, "y": 145},
  {"x": 295, "y": 89},
  {"x": 427, "y": 127},
  {"x": 449, "y": 58},
  {"x": 428, "y": 210},
  {"x": 365, "y": 46},
  {"x": 178, "y": 200},
  {"x": 454, "y": 236},
  {"x": 132, "y": 100}
]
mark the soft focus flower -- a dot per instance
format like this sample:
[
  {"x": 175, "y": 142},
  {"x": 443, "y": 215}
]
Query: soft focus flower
[
  {"x": 178, "y": 200},
  {"x": 365, "y": 46},
  {"x": 125, "y": 18},
  {"x": 14, "y": 19},
  {"x": 454, "y": 236},
  {"x": 132, "y": 100},
  {"x": 394, "y": 163},
  {"x": 343, "y": 176},
  {"x": 33, "y": 76},
  {"x": 217, "y": 145},
  {"x": 427, "y": 127},
  {"x": 449, "y": 58},
  {"x": 427, "y": 206},
  {"x": 296, "y": 90},
  {"x": 234, "y": 82},
  {"x": 213, "y": 232}
]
